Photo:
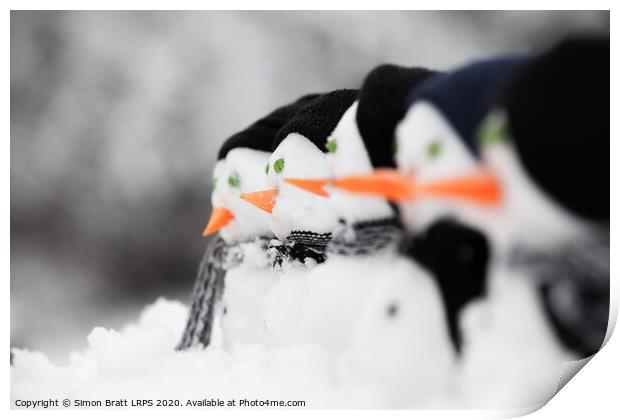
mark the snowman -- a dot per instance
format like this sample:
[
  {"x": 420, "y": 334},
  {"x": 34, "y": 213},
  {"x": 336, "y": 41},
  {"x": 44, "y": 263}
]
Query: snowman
[
  {"x": 235, "y": 264},
  {"x": 455, "y": 254},
  {"x": 302, "y": 222},
  {"x": 340, "y": 295},
  {"x": 548, "y": 285}
]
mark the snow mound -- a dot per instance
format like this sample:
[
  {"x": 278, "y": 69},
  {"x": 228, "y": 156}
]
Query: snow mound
[
  {"x": 139, "y": 362},
  {"x": 341, "y": 335},
  {"x": 334, "y": 344}
]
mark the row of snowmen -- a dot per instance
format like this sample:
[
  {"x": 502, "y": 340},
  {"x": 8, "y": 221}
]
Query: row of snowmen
[{"x": 443, "y": 238}]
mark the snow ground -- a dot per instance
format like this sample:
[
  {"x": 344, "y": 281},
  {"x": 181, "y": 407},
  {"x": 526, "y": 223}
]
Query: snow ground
[
  {"x": 337, "y": 355},
  {"x": 139, "y": 363}
]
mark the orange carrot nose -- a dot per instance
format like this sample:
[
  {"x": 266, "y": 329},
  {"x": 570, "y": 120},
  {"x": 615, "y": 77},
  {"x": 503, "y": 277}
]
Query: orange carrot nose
[
  {"x": 314, "y": 186},
  {"x": 264, "y": 200},
  {"x": 220, "y": 217},
  {"x": 387, "y": 183},
  {"x": 480, "y": 187}
]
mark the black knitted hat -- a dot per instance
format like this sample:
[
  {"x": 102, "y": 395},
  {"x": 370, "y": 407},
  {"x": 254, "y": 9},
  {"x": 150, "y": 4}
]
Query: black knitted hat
[
  {"x": 382, "y": 106},
  {"x": 318, "y": 118},
  {"x": 260, "y": 135},
  {"x": 558, "y": 118}
]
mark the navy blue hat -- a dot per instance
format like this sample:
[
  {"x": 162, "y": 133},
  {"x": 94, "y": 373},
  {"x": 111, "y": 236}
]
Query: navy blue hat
[
  {"x": 558, "y": 118},
  {"x": 465, "y": 95},
  {"x": 260, "y": 135},
  {"x": 318, "y": 118},
  {"x": 381, "y": 107}
]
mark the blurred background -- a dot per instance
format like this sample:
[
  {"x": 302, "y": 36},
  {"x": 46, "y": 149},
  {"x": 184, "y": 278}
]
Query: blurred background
[{"x": 116, "y": 118}]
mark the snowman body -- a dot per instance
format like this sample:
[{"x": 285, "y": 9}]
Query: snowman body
[{"x": 241, "y": 311}]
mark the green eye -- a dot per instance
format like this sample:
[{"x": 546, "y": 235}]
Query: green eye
[
  {"x": 213, "y": 184},
  {"x": 433, "y": 149},
  {"x": 233, "y": 179},
  {"x": 331, "y": 146},
  {"x": 278, "y": 165},
  {"x": 267, "y": 169},
  {"x": 492, "y": 130}
]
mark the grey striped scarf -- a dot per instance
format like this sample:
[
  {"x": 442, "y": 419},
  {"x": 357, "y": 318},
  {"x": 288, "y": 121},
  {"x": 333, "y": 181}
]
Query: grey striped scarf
[
  {"x": 573, "y": 280},
  {"x": 218, "y": 258}
]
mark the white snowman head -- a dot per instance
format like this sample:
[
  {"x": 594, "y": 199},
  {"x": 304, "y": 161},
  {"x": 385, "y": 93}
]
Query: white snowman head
[
  {"x": 439, "y": 170},
  {"x": 428, "y": 147},
  {"x": 433, "y": 164},
  {"x": 298, "y": 158},
  {"x": 429, "y": 150},
  {"x": 532, "y": 142},
  {"x": 346, "y": 157},
  {"x": 240, "y": 171},
  {"x": 526, "y": 214},
  {"x": 363, "y": 140},
  {"x": 436, "y": 138},
  {"x": 293, "y": 208},
  {"x": 242, "y": 159}
]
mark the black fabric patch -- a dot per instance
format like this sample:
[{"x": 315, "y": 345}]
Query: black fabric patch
[
  {"x": 362, "y": 238},
  {"x": 260, "y": 135},
  {"x": 558, "y": 117},
  {"x": 382, "y": 105},
  {"x": 457, "y": 256},
  {"x": 299, "y": 246},
  {"x": 318, "y": 118}
]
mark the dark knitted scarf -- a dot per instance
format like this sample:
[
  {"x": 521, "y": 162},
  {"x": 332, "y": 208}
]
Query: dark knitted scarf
[
  {"x": 360, "y": 238},
  {"x": 573, "y": 281}
]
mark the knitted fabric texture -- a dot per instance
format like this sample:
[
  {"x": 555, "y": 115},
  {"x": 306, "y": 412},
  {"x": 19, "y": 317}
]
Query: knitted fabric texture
[
  {"x": 573, "y": 280},
  {"x": 218, "y": 258},
  {"x": 318, "y": 118},
  {"x": 558, "y": 119},
  {"x": 382, "y": 105},
  {"x": 465, "y": 96},
  {"x": 366, "y": 237},
  {"x": 361, "y": 238},
  {"x": 260, "y": 135}
]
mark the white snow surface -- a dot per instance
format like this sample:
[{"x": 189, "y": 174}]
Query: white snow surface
[
  {"x": 326, "y": 339},
  {"x": 354, "y": 332}
]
